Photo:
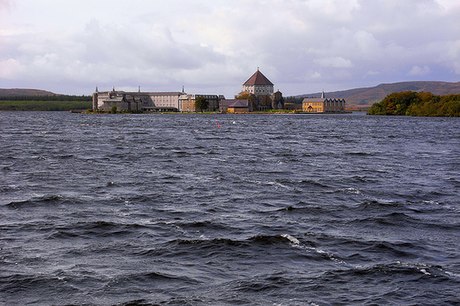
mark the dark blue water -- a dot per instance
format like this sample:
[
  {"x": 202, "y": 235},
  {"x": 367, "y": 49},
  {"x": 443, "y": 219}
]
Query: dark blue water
[{"x": 228, "y": 210}]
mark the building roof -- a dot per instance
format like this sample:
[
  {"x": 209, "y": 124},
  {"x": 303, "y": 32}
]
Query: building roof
[
  {"x": 313, "y": 100},
  {"x": 115, "y": 99},
  {"x": 257, "y": 79},
  {"x": 238, "y": 104},
  {"x": 323, "y": 100},
  {"x": 143, "y": 93},
  {"x": 166, "y": 93}
]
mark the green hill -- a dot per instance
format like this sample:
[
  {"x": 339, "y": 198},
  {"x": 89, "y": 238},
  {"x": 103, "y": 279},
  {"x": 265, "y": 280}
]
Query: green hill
[
  {"x": 21, "y": 92},
  {"x": 40, "y": 100}
]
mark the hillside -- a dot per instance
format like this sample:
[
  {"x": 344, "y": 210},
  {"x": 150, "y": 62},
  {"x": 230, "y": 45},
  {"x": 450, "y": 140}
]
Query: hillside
[
  {"x": 20, "y": 92},
  {"x": 368, "y": 96}
]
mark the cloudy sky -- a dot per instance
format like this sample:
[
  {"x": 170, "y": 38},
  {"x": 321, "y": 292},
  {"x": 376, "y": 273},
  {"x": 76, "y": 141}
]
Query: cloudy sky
[{"x": 213, "y": 46}]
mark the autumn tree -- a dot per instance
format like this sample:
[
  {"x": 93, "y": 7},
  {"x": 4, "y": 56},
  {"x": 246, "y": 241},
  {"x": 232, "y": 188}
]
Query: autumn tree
[
  {"x": 411, "y": 103},
  {"x": 201, "y": 103}
]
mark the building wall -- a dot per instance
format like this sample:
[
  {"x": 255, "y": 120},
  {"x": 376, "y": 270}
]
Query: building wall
[
  {"x": 320, "y": 105},
  {"x": 101, "y": 97},
  {"x": 334, "y": 105},
  {"x": 135, "y": 101},
  {"x": 187, "y": 105},
  {"x": 95, "y": 95},
  {"x": 187, "y": 102},
  {"x": 313, "y": 107},
  {"x": 277, "y": 100},
  {"x": 165, "y": 99},
  {"x": 237, "y": 110},
  {"x": 259, "y": 89}
]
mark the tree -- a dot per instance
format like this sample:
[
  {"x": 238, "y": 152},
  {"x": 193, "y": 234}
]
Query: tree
[
  {"x": 201, "y": 103},
  {"x": 244, "y": 95},
  {"x": 417, "y": 104}
]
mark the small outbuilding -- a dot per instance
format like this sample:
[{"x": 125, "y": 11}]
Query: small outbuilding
[{"x": 238, "y": 107}]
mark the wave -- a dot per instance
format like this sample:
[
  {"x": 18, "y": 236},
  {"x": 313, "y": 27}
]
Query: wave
[
  {"x": 96, "y": 229},
  {"x": 395, "y": 249},
  {"x": 400, "y": 214},
  {"x": 258, "y": 240},
  {"x": 389, "y": 219},
  {"x": 202, "y": 225},
  {"x": 22, "y": 283},
  {"x": 51, "y": 199},
  {"x": 303, "y": 183},
  {"x": 133, "y": 279},
  {"x": 271, "y": 245},
  {"x": 392, "y": 270},
  {"x": 304, "y": 208},
  {"x": 9, "y": 188},
  {"x": 356, "y": 153},
  {"x": 379, "y": 205}
]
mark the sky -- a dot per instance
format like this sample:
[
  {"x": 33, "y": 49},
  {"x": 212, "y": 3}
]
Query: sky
[{"x": 214, "y": 46}]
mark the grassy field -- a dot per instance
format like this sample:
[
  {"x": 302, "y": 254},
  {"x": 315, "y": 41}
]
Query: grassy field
[{"x": 32, "y": 105}]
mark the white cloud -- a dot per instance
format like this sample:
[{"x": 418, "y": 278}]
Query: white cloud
[
  {"x": 334, "y": 62},
  {"x": 10, "y": 69},
  {"x": 5, "y": 4},
  {"x": 419, "y": 70},
  {"x": 453, "y": 55}
]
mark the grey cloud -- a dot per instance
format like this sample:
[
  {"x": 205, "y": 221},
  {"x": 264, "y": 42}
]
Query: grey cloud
[{"x": 308, "y": 45}]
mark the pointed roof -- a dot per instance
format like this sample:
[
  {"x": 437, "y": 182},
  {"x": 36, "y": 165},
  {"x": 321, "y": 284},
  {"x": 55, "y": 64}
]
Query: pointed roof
[{"x": 257, "y": 79}]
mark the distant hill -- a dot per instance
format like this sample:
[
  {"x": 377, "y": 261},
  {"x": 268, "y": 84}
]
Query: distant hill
[
  {"x": 370, "y": 95},
  {"x": 19, "y": 92}
]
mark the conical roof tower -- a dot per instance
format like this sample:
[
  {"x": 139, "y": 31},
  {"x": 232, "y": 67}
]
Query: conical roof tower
[
  {"x": 258, "y": 84},
  {"x": 258, "y": 78}
]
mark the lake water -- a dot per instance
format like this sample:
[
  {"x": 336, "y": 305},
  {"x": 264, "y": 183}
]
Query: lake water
[{"x": 228, "y": 209}]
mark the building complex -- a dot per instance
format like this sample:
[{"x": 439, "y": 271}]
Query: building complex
[{"x": 257, "y": 95}]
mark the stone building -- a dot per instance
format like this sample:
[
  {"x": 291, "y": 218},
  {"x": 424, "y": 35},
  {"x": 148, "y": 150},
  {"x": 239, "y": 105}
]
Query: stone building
[
  {"x": 258, "y": 89},
  {"x": 165, "y": 100},
  {"x": 238, "y": 107},
  {"x": 187, "y": 102},
  {"x": 258, "y": 85},
  {"x": 233, "y": 106},
  {"x": 136, "y": 101},
  {"x": 120, "y": 101},
  {"x": 277, "y": 100},
  {"x": 323, "y": 105}
]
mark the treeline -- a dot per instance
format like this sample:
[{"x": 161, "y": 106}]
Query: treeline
[
  {"x": 44, "y": 105},
  {"x": 410, "y": 103},
  {"x": 46, "y": 98},
  {"x": 293, "y": 99}
]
